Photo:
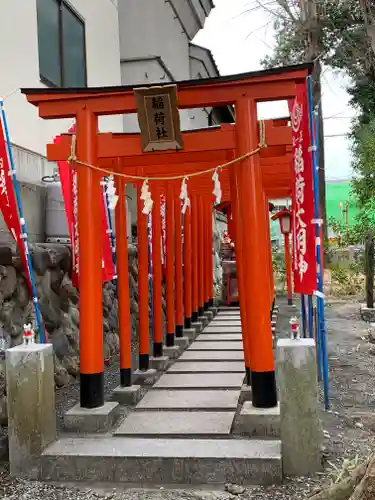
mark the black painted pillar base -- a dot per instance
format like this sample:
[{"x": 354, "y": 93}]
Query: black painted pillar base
[
  {"x": 194, "y": 316},
  {"x": 179, "y": 331},
  {"x": 290, "y": 301},
  {"x": 200, "y": 311},
  {"x": 92, "y": 390},
  {"x": 158, "y": 350},
  {"x": 187, "y": 322},
  {"x": 206, "y": 306},
  {"x": 169, "y": 341},
  {"x": 263, "y": 386},
  {"x": 211, "y": 302},
  {"x": 144, "y": 362},
  {"x": 125, "y": 377},
  {"x": 248, "y": 376}
]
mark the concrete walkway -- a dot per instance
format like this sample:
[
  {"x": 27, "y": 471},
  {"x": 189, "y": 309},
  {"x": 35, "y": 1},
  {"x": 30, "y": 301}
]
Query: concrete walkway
[{"x": 183, "y": 430}]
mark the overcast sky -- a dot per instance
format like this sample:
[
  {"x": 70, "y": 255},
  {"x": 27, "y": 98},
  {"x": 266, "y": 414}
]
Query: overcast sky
[{"x": 239, "y": 41}]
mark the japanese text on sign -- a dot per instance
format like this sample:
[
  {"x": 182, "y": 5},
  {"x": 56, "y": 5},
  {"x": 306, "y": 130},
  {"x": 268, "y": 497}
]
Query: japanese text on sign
[
  {"x": 158, "y": 118},
  {"x": 304, "y": 254}
]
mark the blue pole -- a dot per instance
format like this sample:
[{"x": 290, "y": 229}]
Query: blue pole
[
  {"x": 38, "y": 315},
  {"x": 310, "y": 316},
  {"x": 320, "y": 296},
  {"x": 303, "y": 314}
]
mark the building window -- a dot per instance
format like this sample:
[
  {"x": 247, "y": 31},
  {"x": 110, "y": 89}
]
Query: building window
[{"x": 62, "y": 48}]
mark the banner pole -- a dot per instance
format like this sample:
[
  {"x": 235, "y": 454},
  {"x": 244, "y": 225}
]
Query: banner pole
[
  {"x": 39, "y": 321},
  {"x": 320, "y": 296}
]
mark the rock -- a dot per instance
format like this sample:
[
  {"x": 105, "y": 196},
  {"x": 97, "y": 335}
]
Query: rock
[
  {"x": 62, "y": 377},
  {"x": 371, "y": 351},
  {"x": 50, "y": 307},
  {"x": 56, "y": 276},
  {"x": 22, "y": 295},
  {"x": 59, "y": 255},
  {"x": 8, "y": 282},
  {"x": 40, "y": 259},
  {"x": 60, "y": 343},
  {"x": 6, "y": 255},
  {"x": 74, "y": 315},
  {"x": 234, "y": 489},
  {"x": 71, "y": 364},
  {"x": 68, "y": 291},
  {"x": 3, "y": 410},
  {"x": 113, "y": 317}
]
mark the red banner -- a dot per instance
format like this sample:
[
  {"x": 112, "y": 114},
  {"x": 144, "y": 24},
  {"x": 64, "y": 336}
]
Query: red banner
[
  {"x": 304, "y": 248},
  {"x": 69, "y": 186},
  {"x": 8, "y": 204}
]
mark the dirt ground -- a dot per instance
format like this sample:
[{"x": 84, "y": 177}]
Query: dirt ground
[{"x": 349, "y": 426}]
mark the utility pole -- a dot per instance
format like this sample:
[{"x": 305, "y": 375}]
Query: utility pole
[{"x": 310, "y": 18}]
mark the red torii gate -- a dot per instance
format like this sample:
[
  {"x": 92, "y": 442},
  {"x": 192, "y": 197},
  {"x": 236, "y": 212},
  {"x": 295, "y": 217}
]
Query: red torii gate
[
  {"x": 217, "y": 144},
  {"x": 244, "y": 91}
]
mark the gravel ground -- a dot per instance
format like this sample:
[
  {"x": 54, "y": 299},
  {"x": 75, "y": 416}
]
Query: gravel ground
[{"x": 349, "y": 426}]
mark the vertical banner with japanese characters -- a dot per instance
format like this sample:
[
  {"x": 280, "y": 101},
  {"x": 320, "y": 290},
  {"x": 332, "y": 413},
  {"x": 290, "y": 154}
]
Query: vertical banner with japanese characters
[
  {"x": 69, "y": 185},
  {"x": 8, "y": 204},
  {"x": 163, "y": 230},
  {"x": 304, "y": 248}
]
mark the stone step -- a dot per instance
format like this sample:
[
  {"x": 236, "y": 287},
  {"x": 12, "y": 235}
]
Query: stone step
[
  {"x": 216, "y": 346},
  {"x": 199, "y": 381},
  {"x": 208, "y": 367},
  {"x": 177, "y": 424},
  {"x": 222, "y": 337},
  {"x": 197, "y": 356},
  {"x": 222, "y": 329},
  {"x": 212, "y": 400},
  {"x": 218, "y": 322},
  {"x": 150, "y": 462}
]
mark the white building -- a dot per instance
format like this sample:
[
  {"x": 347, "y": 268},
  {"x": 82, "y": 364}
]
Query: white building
[{"x": 74, "y": 43}]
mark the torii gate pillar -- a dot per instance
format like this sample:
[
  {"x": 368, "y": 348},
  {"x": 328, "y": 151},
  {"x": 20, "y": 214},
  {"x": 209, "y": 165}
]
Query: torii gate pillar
[
  {"x": 90, "y": 264},
  {"x": 254, "y": 265}
]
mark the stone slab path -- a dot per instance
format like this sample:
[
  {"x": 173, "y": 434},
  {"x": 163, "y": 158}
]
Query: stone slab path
[{"x": 181, "y": 431}]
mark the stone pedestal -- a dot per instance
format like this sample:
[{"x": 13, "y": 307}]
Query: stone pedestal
[
  {"x": 301, "y": 430},
  {"x": 128, "y": 396},
  {"x": 160, "y": 364},
  {"x": 203, "y": 320},
  {"x": 197, "y": 325},
  {"x": 147, "y": 377},
  {"x": 85, "y": 420},
  {"x": 182, "y": 342},
  {"x": 172, "y": 352},
  {"x": 190, "y": 333},
  {"x": 31, "y": 406}
]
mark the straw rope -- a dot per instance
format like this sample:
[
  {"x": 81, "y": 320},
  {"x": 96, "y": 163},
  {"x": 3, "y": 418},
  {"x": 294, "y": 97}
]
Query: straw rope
[{"x": 262, "y": 144}]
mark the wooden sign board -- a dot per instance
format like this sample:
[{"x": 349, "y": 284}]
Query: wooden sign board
[{"x": 158, "y": 118}]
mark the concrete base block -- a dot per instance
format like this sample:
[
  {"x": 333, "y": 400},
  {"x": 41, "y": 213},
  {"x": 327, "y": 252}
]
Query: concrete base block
[
  {"x": 203, "y": 320},
  {"x": 89, "y": 420},
  {"x": 273, "y": 323},
  {"x": 367, "y": 313},
  {"x": 213, "y": 310},
  {"x": 172, "y": 352},
  {"x": 190, "y": 333},
  {"x": 128, "y": 396},
  {"x": 209, "y": 315},
  {"x": 31, "y": 406},
  {"x": 160, "y": 364},
  {"x": 147, "y": 377},
  {"x": 245, "y": 394},
  {"x": 301, "y": 430},
  {"x": 258, "y": 422},
  {"x": 182, "y": 342},
  {"x": 197, "y": 325}
]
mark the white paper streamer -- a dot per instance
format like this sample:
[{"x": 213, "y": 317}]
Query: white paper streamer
[
  {"x": 217, "y": 187},
  {"x": 184, "y": 196},
  {"x": 111, "y": 193},
  {"x": 146, "y": 197}
]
